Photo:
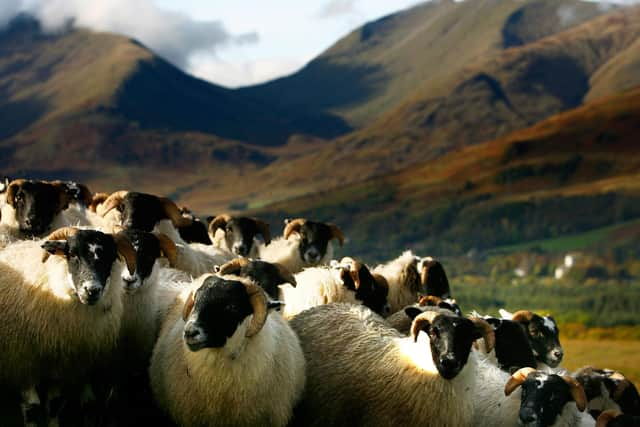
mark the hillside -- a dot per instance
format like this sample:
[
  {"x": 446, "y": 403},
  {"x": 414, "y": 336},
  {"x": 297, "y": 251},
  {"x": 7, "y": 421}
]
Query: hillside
[
  {"x": 100, "y": 96},
  {"x": 375, "y": 68},
  {"x": 573, "y": 172}
]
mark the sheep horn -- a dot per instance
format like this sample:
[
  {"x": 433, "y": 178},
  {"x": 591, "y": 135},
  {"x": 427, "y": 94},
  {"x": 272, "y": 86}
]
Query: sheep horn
[
  {"x": 234, "y": 266},
  {"x": 606, "y": 417},
  {"x": 293, "y": 226},
  {"x": 188, "y": 306},
  {"x": 168, "y": 248},
  {"x": 421, "y": 321},
  {"x": 429, "y": 300},
  {"x": 577, "y": 392},
  {"x": 219, "y": 221},
  {"x": 126, "y": 251},
  {"x": 263, "y": 227},
  {"x": 336, "y": 233},
  {"x": 517, "y": 379},
  {"x": 523, "y": 316},
  {"x": 259, "y": 302},
  {"x": 113, "y": 201},
  {"x": 11, "y": 190},
  {"x": 96, "y": 200},
  {"x": 173, "y": 213},
  {"x": 620, "y": 388},
  {"x": 485, "y": 329},
  {"x": 285, "y": 274},
  {"x": 59, "y": 234}
]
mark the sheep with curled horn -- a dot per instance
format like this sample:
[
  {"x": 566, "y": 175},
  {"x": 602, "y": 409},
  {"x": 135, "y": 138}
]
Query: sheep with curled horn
[
  {"x": 225, "y": 358},
  {"x": 607, "y": 389},
  {"x": 304, "y": 244},
  {"x": 544, "y": 338},
  {"x": 196, "y": 232},
  {"x": 148, "y": 212},
  {"x": 238, "y": 234},
  {"x": 613, "y": 418},
  {"x": 549, "y": 400},
  {"x": 362, "y": 372},
  {"x": 401, "y": 321},
  {"x": 268, "y": 275},
  {"x": 61, "y": 317}
]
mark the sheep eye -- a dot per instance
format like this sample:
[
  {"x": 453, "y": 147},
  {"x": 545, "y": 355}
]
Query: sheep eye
[
  {"x": 18, "y": 197},
  {"x": 120, "y": 208},
  {"x": 435, "y": 333},
  {"x": 228, "y": 229}
]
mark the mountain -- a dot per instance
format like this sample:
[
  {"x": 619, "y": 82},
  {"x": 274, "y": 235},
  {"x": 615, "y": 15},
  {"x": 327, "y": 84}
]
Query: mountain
[
  {"x": 376, "y": 67},
  {"x": 100, "y": 98},
  {"x": 573, "y": 172}
]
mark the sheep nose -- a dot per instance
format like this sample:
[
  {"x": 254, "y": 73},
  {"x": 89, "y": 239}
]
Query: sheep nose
[
  {"x": 448, "y": 362},
  {"x": 527, "y": 415},
  {"x": 93, "y": 291},
  {"x": 240, "y": 249},
  {"x": 558, "y": 354},
  {"x": 192, "y": 332},
  {"x": 313, "y": 254}
]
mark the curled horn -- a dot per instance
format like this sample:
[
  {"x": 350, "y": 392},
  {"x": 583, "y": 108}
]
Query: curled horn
[
  {"x": 577, "y": 392},
  {"x": 485, "y": 329},
  {"x": 429, "y": 300},
  {"x": 11, "y": 190},
  {"x": 173, "y": 213},
  {"x": 293, "y": 226},
  {"x": 336, "y": 233},
  {"x": 259, "y": 302},
  {"x": 421, "y": 321},
  {"x": 126, "y": 251},
  {"x": 188, "y": 306},
  {"x": 517, "y": 379},
  {"x": 234, "y": 266},
  {"x": 59, "y": 234},
  {"x": 219, "y": 221},
  {"x": 523, "y": 316},
  {"x": 263, "y": 227},
  {"x": 112, "y": 202},
  {"x": 168, "y": 248},
  {"x": 621, "y": 386},
  {"x": 606, "y": 417},
  {"x": 285, "y": 274},
  {"x": 96, "y": 200}
]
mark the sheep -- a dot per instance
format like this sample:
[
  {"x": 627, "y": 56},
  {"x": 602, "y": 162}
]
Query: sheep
[
  {"x": 549, "y": 399},
  {"x": 613, "y": 418},
  {"x": 608, "y": 389},
  {"x": 196, "y": 232},
  {"x": 336, "y": 283},
  {"x": 148, "y": 212},
  {"x": 408, "y": 275},
  {"x": 224, "y": 358},
  {"x": 401, "y": 320},
  {"x": 237, "y": 234},
  {"x": 362, "y": 372},
  {"x": 61, "y": 317},
  {"x": 304, "y": 244},
  {"x": 268, "y": 275},
  {"x": 544, "y": 338}
]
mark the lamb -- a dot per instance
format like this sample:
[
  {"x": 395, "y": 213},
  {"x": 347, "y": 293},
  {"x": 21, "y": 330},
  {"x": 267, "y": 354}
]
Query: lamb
[
  {"x": 544, "y": 338},
  {"x": 409, "y": 275},
  {"x": 361, "y": 372},
  {"x": 61, "y": 317},
  {"x": 549, "y": 399},
  {"x": 148, "y": 212},
  {"x": 304, "y": 244},
  {"x": 237, "y": 234},
  {"x": 608, "y": 389},
  {"x": 224, "y": 358}
]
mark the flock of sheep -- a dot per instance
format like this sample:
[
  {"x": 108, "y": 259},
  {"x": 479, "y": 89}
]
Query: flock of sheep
[{"x": 106, "y": 296}]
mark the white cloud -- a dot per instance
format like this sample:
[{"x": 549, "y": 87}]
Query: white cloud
[
  {"x": 174, "y": 35},
  {"x": 338, "y": 8}
]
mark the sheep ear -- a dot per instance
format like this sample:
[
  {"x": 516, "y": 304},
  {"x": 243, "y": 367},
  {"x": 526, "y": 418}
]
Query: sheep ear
[
  {"x": 54, "y": 247},
  {"x": 412, "y": 312},
  {"x": 188, "y": 306}
]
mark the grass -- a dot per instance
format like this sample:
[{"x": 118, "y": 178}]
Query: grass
[{"x": 619, "y": 355}]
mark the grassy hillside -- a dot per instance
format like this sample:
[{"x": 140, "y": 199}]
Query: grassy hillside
[{"x": 376, "y": 67}]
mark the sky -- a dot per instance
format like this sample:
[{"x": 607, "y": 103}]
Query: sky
[{"x": 229, "y": 42}]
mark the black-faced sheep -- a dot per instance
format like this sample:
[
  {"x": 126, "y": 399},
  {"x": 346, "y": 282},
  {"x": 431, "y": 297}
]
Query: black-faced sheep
[
  {"x": 61, "y": 317},
  {"x": 238, "y": 234},
  {"x": 402, "y": 320},
  {"x": 608, "y": 389},
  {"x": 223, "y": 358},
  {"x": 361, "y": 372},
  {"x": 304, "y": 244}
]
